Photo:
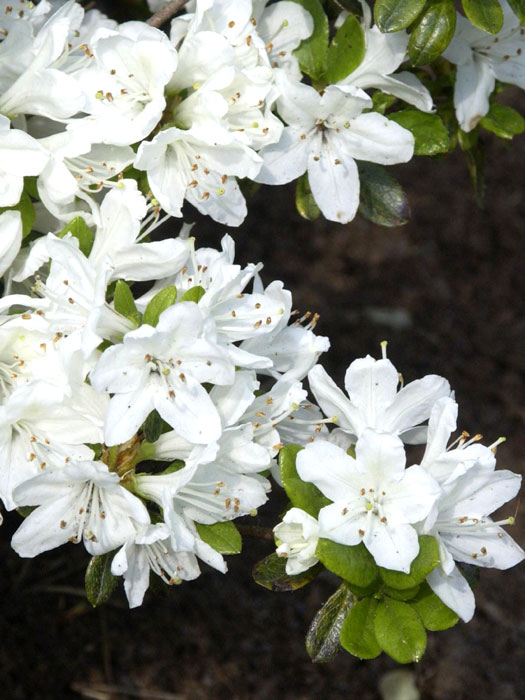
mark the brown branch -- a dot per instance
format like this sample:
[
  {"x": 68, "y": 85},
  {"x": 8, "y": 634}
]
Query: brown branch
[{"x": 165, "y": 13}]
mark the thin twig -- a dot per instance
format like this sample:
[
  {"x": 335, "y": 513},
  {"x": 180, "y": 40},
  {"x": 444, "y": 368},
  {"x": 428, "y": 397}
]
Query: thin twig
[
  {"x": 165, "y": 13},
  {"x": 260, "y": 533}
]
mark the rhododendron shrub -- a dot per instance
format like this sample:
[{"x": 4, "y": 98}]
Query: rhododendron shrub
[{"x": 154, "y": 391}]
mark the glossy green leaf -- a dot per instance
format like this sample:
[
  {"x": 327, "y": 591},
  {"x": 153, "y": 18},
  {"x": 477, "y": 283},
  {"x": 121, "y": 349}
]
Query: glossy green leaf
[
  {"x": 78, "y": 228},
  {"x": 353, "y": 564},
  {"x": 382, "y": 199},
  {"x": 430, "y": 134},
  {"x": 100, "y": 582},
  {"x": 194, "y": 294},
  {"x": 503, "y": 121},
  {"x": 160, "y": 302},
  {"x": 484, "y": 14},
  {"x": 302, "y": 494},
  {"x": 346, "y": 51},
  {"x": 125, "y": 303},
  {"x": 304, "y": 199},
  {"x": 27, "y": 213},
  {"x": 518, "y": 7},
  {"x": 271, "y": 573},
  {"x": 435, "y": 614},
  {"x": 322, "y": 638},
  {"x": 223, "y": 537},
  {"x": 433, "y": 32},
  {"x": 393, "y": 15},
  {"x": 358, "y": 632},
  {"x": 312, "y": 52},
  {"x": 426, "y": 560},
  {"x": 476, "y": 170},
  {"x": 153, "y": 426},
  {"x": 399, "y": 631},
  {"x": 382, "y": 101}
]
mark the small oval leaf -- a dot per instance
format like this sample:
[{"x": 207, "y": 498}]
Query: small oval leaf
[
  {"x": 194, "y": 294},
  {"x": 503, "y": 121},
  {"x": 433, "y": 32},
  {"x": 78, "y": 228},
  {"x": 304, "y": 199},
  {"x": 322, "y": 638},
  {"x": 160, "y": 302},
  {"x": 271, "y": 573},
  {"x": 346, "y": 51},
  {"x": 518, "y": 7},
  {"x": 393, "y": 15},
  {"x": 353, "y": 564},
  {"x": 486, "y": 15},
  {"x": 100, "y": 582},
  {"x": 382, "y": 199},
  {"x": 358, "y": 633},
  {"x": 434, "y": 613},
  {"x": 399, "y": 631},
  {"x": 430, "y": 134},
  {"x": 312, "y": 52},
  {"x": 223, "y": 537}
]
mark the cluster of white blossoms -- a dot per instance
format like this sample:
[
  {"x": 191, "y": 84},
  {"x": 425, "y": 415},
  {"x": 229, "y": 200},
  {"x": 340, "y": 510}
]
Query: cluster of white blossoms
[
  {"x": 375, "y": 499},
  {"x": 84, "y": 366}
]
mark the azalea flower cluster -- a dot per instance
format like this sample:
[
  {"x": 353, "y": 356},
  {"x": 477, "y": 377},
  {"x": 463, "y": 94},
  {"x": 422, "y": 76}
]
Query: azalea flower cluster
[
  {"x": 375, "y": 499},
  {"x": 95, "y": 382}
]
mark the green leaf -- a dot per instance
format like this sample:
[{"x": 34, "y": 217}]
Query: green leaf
[
  {"x": 353, "y": 564},
  {"x": 393, "y": 15},
  {"x": 302, "y": 494},
  {"x": 194, "y": 294},
  {"x": 153, "y": 426},
  {"x": 31, "y": 187},
  {"x": 100, "y": 582},
  {"x": 322, "y": 638},
  {"x": 27, "y": 213},
  {"x": 78, "y": 228},
  {"x": 382, "y": 198},
  {"x": 426, "y": 560},
  {"x": 399, "y": 631},
  {"x": 433, "y": 32},
  {"x": 125, "y": 303},
  {"x": 304, "y": 199},
  {"x": 518, "y": 7},
  {"x": 401, "y": 593},
  {"x": 358, "y": 633},
  {"x": 160, "y": 302},
  {"x": 271, "y": 573},
  {"x": 312, "y": 52},
  {"x": 503, "y": 121},
  {"x": 223, "y": 537},
  {"x": 346, "y": 51},
  {"x": 429, "y": 132},
  {"x": 484, "y": 14},
  {"x": 434, "y": 613}
]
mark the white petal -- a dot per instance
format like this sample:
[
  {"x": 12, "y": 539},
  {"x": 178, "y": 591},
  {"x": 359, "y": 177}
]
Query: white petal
[
  {"x": 454, "y": 591},
  {"x": 392, "y": 546},
  {"x": 381, "y": 455},
  {"x": 333, "y": 178},
  {"x": 333, "y": 401},
  {"x": 371, "y": 385},
  {"x": 286, "y": 160},
  {"x": 373, "y": 137},
  {"x": 330, "y": 469},
  {"x": 474, "y": 84},
  {"x": 340, "y": 523},
  {"x": 10, "y": 238},
  {"x": 412, "y": 405}
]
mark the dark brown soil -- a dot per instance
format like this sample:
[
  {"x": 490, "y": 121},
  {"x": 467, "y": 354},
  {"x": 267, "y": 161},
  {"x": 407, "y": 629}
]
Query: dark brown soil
[{"x": 447, "y": 292}]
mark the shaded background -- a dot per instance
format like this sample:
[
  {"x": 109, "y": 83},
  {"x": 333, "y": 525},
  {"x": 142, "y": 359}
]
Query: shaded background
[{"x": 447, "y": 292}]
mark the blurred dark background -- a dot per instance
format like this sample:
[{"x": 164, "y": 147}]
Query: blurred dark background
[{"x": 447, "y": 292}]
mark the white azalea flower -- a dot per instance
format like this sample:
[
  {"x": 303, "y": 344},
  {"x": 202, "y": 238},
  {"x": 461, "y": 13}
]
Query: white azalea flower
[
  {"x": 150, "y": 550},
  {"x": 162, "y": 368},
  {"x": 373, "y": 399},
  {"x": 324, "y": 136},
  {"x": 297, "y": 537},
  {"x": 182, "y": 165},
  {"x": 125, "y": 83},
  {"x": 81, "y": 500},
  {"x": 465, "y": 533},
  {"x": 482, "y": 59},
  {"x": 375, "y": 499}
]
